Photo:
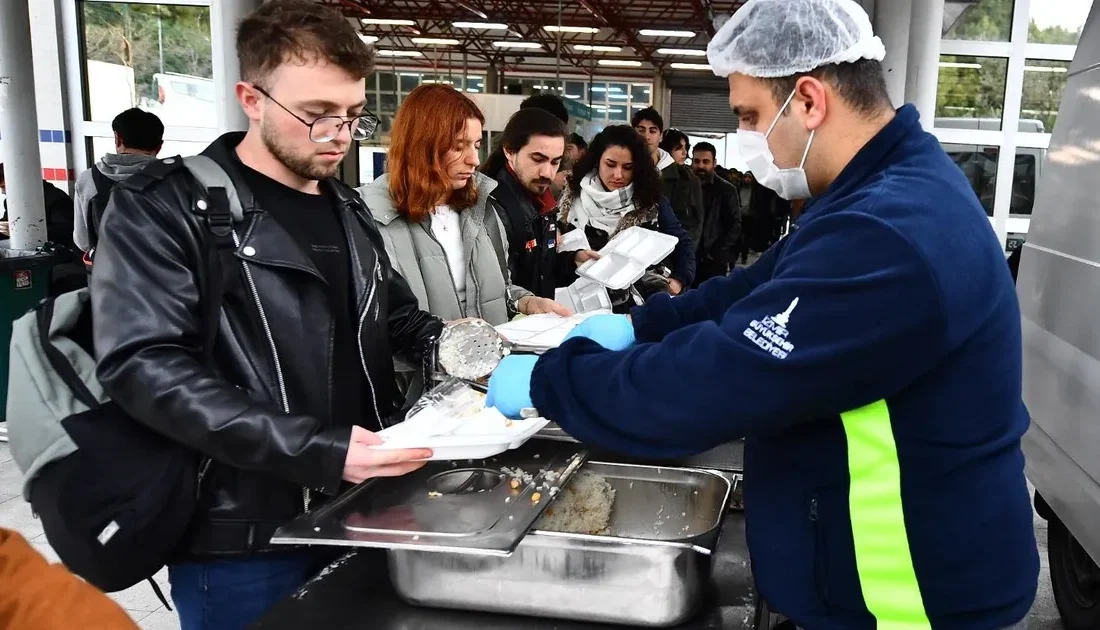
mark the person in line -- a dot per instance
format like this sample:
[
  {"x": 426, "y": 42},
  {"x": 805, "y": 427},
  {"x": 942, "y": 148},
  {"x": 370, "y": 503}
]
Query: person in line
[
  {"x": 763, "y": 220},
  {"x": 871, "y": 360},
  {"x": 721, "y": 217},
  {"x": 575, "y": 148},
  {"x": 676, "y": 144},
  {"x": 523, "y": 165},
  {"x": 439, "y": 223},
  {"x": 312, "y": 313},
  {"x": 139, "y": 136},
  {"x": 37, "y": 594},
  {"x": 681, "y": 187},
  {"x": 59, "y": 217},
  {"x": 549, "y": 103},
  {"x": 615, "y": 187}
]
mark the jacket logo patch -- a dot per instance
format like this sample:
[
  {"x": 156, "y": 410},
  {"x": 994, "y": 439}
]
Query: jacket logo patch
[{"x": 770, "y": 334}]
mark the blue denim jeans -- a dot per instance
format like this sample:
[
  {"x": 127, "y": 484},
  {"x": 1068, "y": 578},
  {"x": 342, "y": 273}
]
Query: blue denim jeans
[{"x": 233, "y": 593}]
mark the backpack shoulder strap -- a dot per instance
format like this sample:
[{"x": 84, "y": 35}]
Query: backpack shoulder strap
[
  {"x": 220, "y": 209},
  {"x": 101, "y": 181},
  {"x": 493, "y": 226}
]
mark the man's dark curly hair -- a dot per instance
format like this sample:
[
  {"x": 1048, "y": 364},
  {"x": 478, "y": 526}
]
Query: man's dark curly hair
[{"x": 647, "y": 180}]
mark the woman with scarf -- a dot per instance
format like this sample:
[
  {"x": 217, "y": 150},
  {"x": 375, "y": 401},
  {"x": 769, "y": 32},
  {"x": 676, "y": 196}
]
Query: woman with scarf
[{"x": 615, "y": 187}]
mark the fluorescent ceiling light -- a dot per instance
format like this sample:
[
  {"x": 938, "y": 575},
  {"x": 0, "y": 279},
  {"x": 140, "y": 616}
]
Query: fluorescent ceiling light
[
  {"x": 474, "y": 90},
  {"x": 1054, "y": 69},
  {"x": 597, "y": 48},
  {"x": 387, "y": 22},
  {"x": 656, "y": 32},
  {"x": 571, "y": 29},
  {"x": 435, "y": 41},
  {"x": 687, "y": 52},
  {"x": 621, "y": 63},
  {"x": 408, "y": 74},
  {"x": 399, "y": 53},
  {"x": 368, "y": 39},
  {"x": 510, "y": 44},
  {"x": 618, "y": 95},
  {"x": 690, "y": 66},
  {"x": 572, "y": 96},
  {"x": 495, "y": 26},
  {"x": 965, "y": 66}
]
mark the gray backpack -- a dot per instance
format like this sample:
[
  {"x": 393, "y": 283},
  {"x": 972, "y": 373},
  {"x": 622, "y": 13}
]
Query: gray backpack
[{"x": 114, "y": 497}]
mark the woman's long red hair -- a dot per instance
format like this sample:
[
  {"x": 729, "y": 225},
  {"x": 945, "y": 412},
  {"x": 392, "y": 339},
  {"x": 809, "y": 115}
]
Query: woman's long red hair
[{"x": 423, "y": 132}]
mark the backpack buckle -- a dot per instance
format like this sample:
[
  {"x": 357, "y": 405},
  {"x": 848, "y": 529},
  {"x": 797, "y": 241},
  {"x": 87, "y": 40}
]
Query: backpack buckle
[{"x": 215, "y": 209}]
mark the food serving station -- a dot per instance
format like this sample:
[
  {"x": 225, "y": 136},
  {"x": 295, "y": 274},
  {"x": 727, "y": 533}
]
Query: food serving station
[
  {"x": 514, "y": 524},
  {"x": 670, "y": 557}
]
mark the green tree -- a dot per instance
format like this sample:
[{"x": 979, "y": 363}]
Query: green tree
[{"x": 149, "y": 39}]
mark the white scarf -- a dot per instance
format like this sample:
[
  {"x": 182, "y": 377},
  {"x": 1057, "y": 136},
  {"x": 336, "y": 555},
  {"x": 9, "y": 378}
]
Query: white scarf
[{"x": 599, "y": 207}]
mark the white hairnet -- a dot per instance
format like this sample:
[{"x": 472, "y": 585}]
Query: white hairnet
[{"x": 780, "y": 38}]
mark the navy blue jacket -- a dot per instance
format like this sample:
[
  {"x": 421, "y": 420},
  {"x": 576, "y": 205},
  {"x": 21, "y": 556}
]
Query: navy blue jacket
[{"x": 872, "y": 361}]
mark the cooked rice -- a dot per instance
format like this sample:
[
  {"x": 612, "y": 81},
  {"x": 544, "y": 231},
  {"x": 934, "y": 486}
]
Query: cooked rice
[{"x": 582, "y": 507}]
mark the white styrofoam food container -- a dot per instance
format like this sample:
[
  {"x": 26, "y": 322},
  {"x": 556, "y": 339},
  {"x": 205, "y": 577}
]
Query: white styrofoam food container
[
  {"x": 483, "y": 435},
  {"x": 624, "y": 260},
  {"x": 539, "y": 333},
  {"x": 584, "y": 296}
]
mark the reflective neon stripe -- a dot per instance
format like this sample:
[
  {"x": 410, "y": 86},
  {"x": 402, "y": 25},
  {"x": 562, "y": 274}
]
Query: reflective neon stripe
[{"x": 885, "y": 566}]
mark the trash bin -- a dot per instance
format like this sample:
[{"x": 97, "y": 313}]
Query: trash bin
[{"x": 24, "y": 282}]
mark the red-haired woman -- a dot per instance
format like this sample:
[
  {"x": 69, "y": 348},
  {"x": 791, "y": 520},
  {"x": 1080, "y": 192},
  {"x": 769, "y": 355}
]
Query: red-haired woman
[{"x": 441, "y": 230}]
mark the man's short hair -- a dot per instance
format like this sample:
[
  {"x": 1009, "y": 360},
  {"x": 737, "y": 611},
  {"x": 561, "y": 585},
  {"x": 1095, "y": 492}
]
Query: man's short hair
[
  {"x": 299, "y": 31},
  {"x": 860, "y": 84},
  {"x": 576, "y": 140},
  {"x": 706, "y": 146},
  {"x": 549, "y": 103},
  {"x": 649, "y": 114},
  {"x": 139, "y": 130}
]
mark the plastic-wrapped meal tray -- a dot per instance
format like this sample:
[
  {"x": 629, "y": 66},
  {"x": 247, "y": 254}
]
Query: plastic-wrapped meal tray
[
  {"x": 624, "y": 260},
  {"x": 454, "y": 422}
]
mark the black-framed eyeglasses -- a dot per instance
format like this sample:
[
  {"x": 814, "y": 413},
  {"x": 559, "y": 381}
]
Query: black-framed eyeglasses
[{"x": 327, "y": 128}]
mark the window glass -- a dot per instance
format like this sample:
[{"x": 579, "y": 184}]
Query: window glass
[
  {"x": 1024, "y": 174},
  {"x": 153, "y": 56},
  {"x": 574, "y": 89},
  {"x": 409, "y": 81},
  {"x": 387, "y": 82},
  {"x": 971, "y": 92},
  {"x": 372, "y": 82},
  {"x": 986, "y": 20},
  {"x": 617, "y": 112},
  {"x": 979, "y": 164},
  {"x": 475, "y": 84},
  {"x": 640, "y": 94},
  {"x": 1057, "y": 21},
  {"x": 1044, "y": 82}
]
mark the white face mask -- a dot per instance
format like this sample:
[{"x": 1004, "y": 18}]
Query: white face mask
[{"x": 788, "y": 183}]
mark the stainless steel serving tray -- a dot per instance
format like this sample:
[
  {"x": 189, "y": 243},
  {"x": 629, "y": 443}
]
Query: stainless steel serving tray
[
  {"x": 651, "y": 570},
  {"x": 458, "y": 508}
]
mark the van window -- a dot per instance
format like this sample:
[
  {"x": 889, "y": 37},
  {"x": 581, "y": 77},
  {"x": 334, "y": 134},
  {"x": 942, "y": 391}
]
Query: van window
[{"x": 979, "y": 164}]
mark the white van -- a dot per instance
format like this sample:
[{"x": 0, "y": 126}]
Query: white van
[{"x": 1059, "y": 289}]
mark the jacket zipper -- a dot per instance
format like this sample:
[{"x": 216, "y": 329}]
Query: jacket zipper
[
  {"x": 362, "y": 354},
  {"x": 271, "y": 344},
  {"x": 202, "y": 473},
  {"x": 819, "y": 550}
]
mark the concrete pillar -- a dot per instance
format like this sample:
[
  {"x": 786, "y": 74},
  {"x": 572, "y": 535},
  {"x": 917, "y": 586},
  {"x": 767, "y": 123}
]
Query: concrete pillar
[
  {"x": 923, "y": 66},
  {"x": 224, "y": 17},
  {"x": 19, "y": 122},
  {"x": 891, "y": 20}
]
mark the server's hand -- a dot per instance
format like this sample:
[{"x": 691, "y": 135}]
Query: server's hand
[
  {"x": 510, "y": 385},
  {"x": 614, "y": 332},
  {"x": 533, "y": 305}
]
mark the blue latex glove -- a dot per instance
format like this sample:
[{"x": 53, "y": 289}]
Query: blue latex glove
[
  {"x": 614, "y": 332},
  {"x": 510, "y": 385}
]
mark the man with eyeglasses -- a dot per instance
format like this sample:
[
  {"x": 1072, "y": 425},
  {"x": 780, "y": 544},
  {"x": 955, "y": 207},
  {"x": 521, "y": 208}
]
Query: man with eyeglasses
[{"x": 311, "y": 317}]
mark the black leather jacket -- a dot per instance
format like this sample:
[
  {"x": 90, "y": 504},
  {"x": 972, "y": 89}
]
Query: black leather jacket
[
  {"x": 261, "y": 416},
  {"x": 721, "y": 231},
  {"x": 536, "y": 264}
]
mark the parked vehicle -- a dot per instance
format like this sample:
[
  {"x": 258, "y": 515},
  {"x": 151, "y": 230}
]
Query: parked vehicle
[{"x": 1059, "y": 289}]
